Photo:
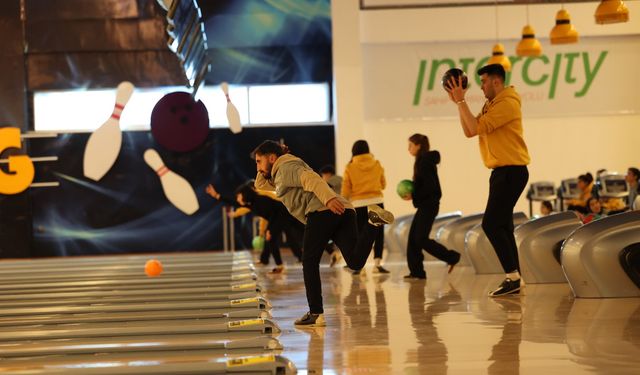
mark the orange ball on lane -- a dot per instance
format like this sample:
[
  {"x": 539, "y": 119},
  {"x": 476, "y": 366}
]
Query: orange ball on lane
[{"x": 153, "y": 268}]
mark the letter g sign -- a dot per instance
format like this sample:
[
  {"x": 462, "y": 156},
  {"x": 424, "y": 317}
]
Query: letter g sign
[{"x": 20, "y": 166}]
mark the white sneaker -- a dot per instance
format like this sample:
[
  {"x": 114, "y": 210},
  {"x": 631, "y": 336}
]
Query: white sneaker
[{"x": 379, "y": 216}]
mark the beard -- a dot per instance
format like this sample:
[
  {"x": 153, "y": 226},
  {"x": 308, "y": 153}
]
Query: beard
[{"x": 267, "y": 174}]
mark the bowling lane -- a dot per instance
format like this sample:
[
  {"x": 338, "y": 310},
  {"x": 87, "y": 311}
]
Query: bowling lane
[{"x": 107, "y": 312}]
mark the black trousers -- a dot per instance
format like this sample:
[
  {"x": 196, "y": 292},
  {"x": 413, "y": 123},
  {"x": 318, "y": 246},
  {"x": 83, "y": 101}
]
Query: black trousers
[
  {"x": 505, "y": 187},
  {"x": 294, "y": 231},
  {"x": 321, "y": 227},
  {"x": 419, "y": 240},
  {"x": 362, "y": 214}
]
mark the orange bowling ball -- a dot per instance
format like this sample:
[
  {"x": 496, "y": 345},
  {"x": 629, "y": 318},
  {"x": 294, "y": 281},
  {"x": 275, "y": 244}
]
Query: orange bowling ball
[{"x": 153, "y": 268}]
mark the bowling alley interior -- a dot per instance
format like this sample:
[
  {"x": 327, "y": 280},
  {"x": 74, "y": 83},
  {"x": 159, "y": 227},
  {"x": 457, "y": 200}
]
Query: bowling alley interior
[{"x": 193, "y": 187}]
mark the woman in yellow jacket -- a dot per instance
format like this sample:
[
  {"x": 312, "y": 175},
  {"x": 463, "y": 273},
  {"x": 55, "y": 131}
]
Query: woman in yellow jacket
[{"x": 362, "y": 184}]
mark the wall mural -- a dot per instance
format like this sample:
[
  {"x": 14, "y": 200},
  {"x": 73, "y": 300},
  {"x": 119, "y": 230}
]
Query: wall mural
[
  {"x": 276, "y": 41},
  {"x": 127, "y": 210}
]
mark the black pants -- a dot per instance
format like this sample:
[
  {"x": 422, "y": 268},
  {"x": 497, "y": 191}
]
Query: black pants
[
  {"x": 321, "y": 227},
  {"x": 294, "y": 231},
  {"x": 419, "y": 240},
  {"x": 362, "y": 214},
  {"x": 505, "y": 186}
]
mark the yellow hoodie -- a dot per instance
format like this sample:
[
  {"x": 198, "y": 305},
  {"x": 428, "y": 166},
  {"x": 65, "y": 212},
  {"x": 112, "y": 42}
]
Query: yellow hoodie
[
  {"x": 500, "y": 131},
  {"x": 363, "y": 179}
]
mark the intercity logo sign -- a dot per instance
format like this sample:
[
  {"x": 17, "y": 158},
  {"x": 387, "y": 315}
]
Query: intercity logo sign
[
  {"x": 428, "y": 79},
  {"x": 598, "y": 76}
]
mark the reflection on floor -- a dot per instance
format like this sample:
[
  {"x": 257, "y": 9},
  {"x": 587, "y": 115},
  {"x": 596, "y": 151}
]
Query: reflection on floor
[{"x": 381, "y": 324}]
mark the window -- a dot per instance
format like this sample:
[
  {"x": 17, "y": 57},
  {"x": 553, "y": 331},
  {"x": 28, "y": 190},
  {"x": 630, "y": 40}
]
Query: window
[
  {"x": 289, "y": 103},
  {"x": 86, "y": 110}
]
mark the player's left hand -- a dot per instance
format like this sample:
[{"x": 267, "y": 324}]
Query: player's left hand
[{"x": 455, "y": 90}]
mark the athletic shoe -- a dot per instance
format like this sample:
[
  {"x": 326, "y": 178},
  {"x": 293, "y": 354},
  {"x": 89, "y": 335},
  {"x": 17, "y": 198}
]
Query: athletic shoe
[
  {"x": 335, "y": 258},
  {"x": 453, "y": 264},
  {"x": 362, "y": 272},
  {"x": 277, "y": 270},
  {"x": 414, "y": 277},
  {"x": 311, "y": 320},
  {"x": 507, "y": 287},
  {"x": 380, "y": 269},
  {"x": 379, "y": 216}
]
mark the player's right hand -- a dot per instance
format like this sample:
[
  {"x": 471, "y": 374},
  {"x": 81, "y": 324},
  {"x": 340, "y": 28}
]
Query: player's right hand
[{"x": 335, "y": 206}]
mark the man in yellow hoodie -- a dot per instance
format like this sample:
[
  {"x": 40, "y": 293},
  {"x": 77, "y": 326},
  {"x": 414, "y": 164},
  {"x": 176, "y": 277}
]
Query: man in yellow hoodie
[{"x": 502, "y": 147}]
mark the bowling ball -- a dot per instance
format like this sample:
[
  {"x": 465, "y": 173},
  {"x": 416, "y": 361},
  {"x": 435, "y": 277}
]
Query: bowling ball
[
  {"x": 258, "y": 243},
  {"x": 405, "y": 188},
  {"x": 179, "y": 123},
  {"x": 153, "y": 268},
  {"x": 454, "y": 73}
]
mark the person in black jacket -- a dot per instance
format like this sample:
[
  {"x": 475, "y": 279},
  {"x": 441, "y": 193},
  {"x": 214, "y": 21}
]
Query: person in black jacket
[
  {"x": 426, "y": 198},
  {"x": 278, "y": 220}
]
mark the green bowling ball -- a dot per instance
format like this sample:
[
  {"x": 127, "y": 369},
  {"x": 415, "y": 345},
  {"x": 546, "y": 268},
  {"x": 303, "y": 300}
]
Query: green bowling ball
[
  {"x": 405, "y": 188},
  {"x": 258, "y": 243}
]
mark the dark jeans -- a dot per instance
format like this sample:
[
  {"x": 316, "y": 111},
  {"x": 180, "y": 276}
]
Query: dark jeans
[
  {"x": 419, "y": 240},
  {"x": 321, "y": 227},
  {"x": 362, "y": 214},
  {"x": 505, "y": 186}
]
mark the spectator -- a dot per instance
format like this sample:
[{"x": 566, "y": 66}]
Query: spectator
[
  {"x": 546, "y": 208},
  {"x": 585, "y": 184},
  {"x": 328, "y": 174},
  {"x": 632, "y": 177},
  {"x": 595, "y": 211}
]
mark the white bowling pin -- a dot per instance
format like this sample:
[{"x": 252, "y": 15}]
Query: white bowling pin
[
  {"x": 177, "y": 190},
  {"x": 232, "y": 112},
  {"x": 104, "y": 143}
]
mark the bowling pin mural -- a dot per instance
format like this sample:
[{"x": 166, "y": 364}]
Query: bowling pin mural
[
  {"x": 232, "y": 112},
  {"x": 177, "y": 190},
  {"x": 104, "y": 143}
]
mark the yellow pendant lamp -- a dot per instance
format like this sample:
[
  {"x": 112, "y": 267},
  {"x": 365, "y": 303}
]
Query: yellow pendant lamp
[
  {"x": 612, "y": 11},
  {"x": 497, "y": 53},
  {"x": 498, "y": 57},
  {"x": 529, "y": 45},
  {"x": 563, "y": 32}
]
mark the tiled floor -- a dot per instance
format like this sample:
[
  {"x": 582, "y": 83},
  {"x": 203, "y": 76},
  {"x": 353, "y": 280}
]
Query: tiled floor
[{"x": 381, "y": 324}]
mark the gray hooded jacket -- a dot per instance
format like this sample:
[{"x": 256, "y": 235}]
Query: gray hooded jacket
[{"x": 301, "y": 189}]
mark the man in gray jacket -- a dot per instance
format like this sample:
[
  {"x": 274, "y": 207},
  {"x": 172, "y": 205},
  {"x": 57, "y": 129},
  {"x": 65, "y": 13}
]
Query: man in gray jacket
[{"x": 326, "y": 215}]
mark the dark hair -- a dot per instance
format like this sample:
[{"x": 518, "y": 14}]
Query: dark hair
[
  {"x": 587, "y": 178},
  {"x": 495, "y": 70},
  {"x": 589, "y": 205},
  {"x": 635, "y": 172},
  {"x": 548, "y": 205},
  {"x": 328, "y": 169},
  {"x": 248, "y": 192},
  {"x": 269, "y": 148},
  {"x": 421, "y": 140},
  {"x": 360, "y": 147}
]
